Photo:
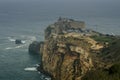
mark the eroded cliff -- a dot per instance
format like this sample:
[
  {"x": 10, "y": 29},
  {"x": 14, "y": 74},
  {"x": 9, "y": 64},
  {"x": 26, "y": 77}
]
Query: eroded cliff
[
  {"x": 66, "y": 58},
  {"x": 66, "y": 53}
]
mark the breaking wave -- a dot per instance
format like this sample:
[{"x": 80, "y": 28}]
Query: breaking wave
[
  {"x": 31, "y": 69},
  {"x": 11, "y": 39},
  {"x": 16, "y": 47}
]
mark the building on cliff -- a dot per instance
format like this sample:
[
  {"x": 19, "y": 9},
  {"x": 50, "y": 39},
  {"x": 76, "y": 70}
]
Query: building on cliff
[
  {"x": 72, "y": 24},
  {"x": 64, "y": 25}
]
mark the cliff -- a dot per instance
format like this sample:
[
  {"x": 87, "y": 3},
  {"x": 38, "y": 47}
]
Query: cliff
[
  {"x": 72, "y": 52},
  {"x": 66, "y": 58},
  {"x": 66, "y": 55}
]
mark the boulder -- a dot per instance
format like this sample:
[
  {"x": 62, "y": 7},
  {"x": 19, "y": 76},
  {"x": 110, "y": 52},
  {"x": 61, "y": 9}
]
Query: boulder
[
  {"x": 34, "y": 47},
  {"x": 18, "y": 41}
]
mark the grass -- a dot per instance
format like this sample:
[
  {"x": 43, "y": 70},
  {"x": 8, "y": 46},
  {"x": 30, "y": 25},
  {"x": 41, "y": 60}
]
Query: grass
[
  {"x": 113, "y": 73},
  {"x": 112, "y": 51},
  {"x": 103, "y": 39}
]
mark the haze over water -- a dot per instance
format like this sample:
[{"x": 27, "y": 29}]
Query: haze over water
[{"x": 27, "y": 19}]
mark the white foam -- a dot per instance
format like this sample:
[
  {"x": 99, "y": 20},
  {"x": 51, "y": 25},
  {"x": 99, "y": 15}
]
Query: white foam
[
  {"x": 26, "y": 40},
  {"x": 19, "y": 46},
  {"x": 37, "y": 65},
  {"x": 23, "y": 42},
  {"x": 47, "y": 78},
  {"x": 16, "y": 47},
  {"x": 8, "y": 48},
  {"x": 30, "y": 69},
  {"x": 11, "y": 39}
]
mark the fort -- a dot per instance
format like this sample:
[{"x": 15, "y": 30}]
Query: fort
[{"x": 64, "y": 25}]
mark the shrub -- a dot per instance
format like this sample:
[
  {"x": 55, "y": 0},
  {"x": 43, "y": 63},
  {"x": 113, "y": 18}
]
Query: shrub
[
  {"x": 115, "y": 69},
  {"x": 113, "y": 73}
]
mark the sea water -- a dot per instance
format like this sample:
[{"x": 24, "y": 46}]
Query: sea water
[{"x": 27, "y": 20}]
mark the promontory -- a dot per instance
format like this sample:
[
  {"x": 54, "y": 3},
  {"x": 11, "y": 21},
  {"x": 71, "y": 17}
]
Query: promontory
[{"x": 70, "y": 51}]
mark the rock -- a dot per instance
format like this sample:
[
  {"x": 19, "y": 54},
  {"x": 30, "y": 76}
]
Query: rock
[
  {"x": 35, "y": 47},
  {"x": 66, "y": 50},
  {"x": 66, "y": 58},
  {"x": 18, "y": 41}
]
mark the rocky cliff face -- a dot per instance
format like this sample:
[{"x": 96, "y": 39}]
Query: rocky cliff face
[
  {"x": 71, "y": 52},
  {"x": 66, "y": 56}
]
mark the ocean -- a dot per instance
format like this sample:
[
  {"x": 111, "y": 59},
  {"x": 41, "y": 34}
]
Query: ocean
[{"x": 27, "y": 20}]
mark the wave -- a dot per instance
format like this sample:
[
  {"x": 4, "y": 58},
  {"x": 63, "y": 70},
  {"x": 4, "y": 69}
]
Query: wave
[
  {"x": 19, "y": 46},
  {"x": 11, "y": 39},
  {"x": 8, "y": 48},
  {"x": 43, "y": 77},
  {"x": 47, "y": 78},
  {"x": 16, "y": 47},
  {"x": 25, "y": 40},
  {"x": 31, "y": 69},
  {"x": 36, "y": 65}
]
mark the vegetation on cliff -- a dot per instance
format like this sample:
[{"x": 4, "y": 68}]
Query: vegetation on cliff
[
  {"x": 110, "y": 55},
  {"x": 103, "y": 38},
  {"x": 112, "y": 52},
  {"x": 113, "y": 73}
]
